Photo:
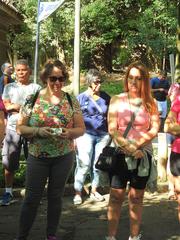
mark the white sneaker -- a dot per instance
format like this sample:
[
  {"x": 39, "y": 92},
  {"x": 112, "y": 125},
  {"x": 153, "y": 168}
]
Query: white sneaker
[
  {"x": 77, "y": 199},
  {"x": 97, "y": 197},
  {"x": 110, "y": 238},
  {"x": 136, "y": 237}
]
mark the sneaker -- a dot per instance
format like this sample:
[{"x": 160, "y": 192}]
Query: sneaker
[
  {"x": 110, "y": 238},
  {"x": 77, "y": 199},
  {"x": 136, "y": 237},
  {"x": 97, "y": 197},
  {"x": 6, "y": 200},
  {"x": 51, "y": 238}
]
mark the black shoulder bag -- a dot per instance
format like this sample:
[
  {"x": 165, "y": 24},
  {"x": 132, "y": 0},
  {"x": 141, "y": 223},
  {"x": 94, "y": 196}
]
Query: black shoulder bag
[{"x": 112, "y": 159}]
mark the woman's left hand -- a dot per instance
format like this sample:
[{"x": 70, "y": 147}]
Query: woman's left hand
[
  {"x": 137, "y": 154},
  {"x": 65, "y": 133},
  {"x": 130, "y": 148}
]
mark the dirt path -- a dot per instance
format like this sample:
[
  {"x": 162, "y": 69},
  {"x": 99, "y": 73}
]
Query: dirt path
[{"x": 89, "y": 221}]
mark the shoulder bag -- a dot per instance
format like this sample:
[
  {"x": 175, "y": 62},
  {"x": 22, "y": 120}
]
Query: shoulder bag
[{"x": 112, "y": 158}]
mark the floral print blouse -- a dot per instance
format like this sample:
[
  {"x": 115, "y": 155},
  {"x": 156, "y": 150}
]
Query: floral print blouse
[{"x": 45, "y": 114}]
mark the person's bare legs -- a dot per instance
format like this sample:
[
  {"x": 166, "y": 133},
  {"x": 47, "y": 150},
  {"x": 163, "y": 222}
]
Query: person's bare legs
[
  {"x": 170, "y": 178},
  {"x": 114, "y": 210},
  {"x": 135, "y": 197},
  {"x": 171, "y": 194},
  {"x": 9, "y": 178}
]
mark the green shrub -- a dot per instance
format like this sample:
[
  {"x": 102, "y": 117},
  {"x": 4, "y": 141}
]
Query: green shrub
[
  {"x": 110, "y": 87},
  {"x": 19, "y": 178}
]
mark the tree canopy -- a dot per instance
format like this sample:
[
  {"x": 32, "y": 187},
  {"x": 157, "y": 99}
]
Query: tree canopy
[{"x": 113, "y": 33}]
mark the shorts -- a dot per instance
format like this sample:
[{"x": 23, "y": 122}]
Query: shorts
[
  {"x": 175, "y": 163},
  {"x": 120, "y": 181},
  {"x": 11, "y": 150}
]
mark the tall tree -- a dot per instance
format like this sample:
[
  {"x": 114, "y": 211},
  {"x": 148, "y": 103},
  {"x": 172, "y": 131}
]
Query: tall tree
[{"x": 113, "y": 32}]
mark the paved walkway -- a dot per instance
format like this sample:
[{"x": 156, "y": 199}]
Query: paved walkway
[{"x": 89, "y": 222}]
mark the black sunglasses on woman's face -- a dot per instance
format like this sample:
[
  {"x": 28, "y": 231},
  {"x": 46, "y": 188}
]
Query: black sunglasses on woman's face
[{"x": 54, "y": 79}]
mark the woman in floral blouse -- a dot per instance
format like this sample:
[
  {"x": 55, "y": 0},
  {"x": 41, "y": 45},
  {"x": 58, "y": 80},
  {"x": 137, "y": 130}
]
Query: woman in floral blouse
[{"x": 51, "y": 124}]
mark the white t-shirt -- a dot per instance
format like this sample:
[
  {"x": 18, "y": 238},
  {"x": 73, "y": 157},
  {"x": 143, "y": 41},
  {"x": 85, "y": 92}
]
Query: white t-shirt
[{"x": 17, "y": 93}]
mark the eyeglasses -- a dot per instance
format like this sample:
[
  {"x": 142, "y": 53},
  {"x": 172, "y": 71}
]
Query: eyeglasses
[
  {"x": 132, "y": 79},
  {"x": 98, "y": 82},
  {"x": 54, "y": 79}
]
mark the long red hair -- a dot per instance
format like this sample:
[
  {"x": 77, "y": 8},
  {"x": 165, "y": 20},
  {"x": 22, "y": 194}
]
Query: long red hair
[{"x": 145, "y": 91}]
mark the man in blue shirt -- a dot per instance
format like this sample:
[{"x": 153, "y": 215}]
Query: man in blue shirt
[
  {"x": 160, "y": 86},
  {"x": 7, "y": 71}
]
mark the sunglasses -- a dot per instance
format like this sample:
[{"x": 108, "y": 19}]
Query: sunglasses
[
  {"x": 98, "y": 82},
  {"x": 54, "y": 79}
]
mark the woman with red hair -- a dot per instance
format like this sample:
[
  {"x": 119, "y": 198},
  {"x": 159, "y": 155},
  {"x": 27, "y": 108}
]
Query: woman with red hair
[{"x": 137, "y": 101}]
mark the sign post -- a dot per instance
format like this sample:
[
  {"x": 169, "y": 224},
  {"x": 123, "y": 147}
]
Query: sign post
[{"x": 76, "y": 78}]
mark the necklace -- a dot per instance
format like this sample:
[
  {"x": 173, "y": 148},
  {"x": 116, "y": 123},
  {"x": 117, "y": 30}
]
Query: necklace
[{"x": 134, "y": 103}]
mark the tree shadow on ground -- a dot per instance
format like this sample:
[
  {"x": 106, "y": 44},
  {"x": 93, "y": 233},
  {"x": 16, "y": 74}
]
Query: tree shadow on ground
[{"x": 89, "y": 222}]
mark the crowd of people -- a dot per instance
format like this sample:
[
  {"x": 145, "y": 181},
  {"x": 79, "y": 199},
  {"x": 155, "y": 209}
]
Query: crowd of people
[{"x": 58, "y": 129}]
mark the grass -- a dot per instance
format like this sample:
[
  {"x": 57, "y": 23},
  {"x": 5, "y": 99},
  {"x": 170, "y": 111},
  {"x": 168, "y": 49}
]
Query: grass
[{"x": 110, "y": 87}]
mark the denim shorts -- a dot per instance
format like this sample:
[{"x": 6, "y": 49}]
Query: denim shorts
[{"x": 120, "y": 181}]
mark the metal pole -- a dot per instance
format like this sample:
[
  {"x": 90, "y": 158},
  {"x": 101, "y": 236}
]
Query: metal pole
[
  {"x": 172, "y": 66},
  {"x": 37, "y": 46},
  {"x": 76, "y": 78}
]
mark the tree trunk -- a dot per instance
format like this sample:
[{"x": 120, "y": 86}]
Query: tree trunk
[{"x": 103, "y": 59}]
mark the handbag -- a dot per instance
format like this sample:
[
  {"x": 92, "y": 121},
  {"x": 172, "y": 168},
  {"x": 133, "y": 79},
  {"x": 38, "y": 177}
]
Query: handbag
[{"x": 112, "y": 158}]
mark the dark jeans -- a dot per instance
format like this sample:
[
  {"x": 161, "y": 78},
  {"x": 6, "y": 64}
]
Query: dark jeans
[{"x": 39, "y": 170}]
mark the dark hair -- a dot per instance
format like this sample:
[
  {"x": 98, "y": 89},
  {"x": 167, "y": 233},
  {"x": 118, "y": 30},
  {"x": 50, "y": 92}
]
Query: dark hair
[
  {"x": 162, "y": 73},
  {"x": 48, "y": 68},
  {"x": 92, "y": 75},
  {"x": 145, "y": 92}
]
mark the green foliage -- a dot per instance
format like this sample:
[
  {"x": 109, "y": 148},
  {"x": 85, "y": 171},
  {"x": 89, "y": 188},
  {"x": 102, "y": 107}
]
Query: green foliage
[
  {"x": 111, "y": 87},
  {"x": 155, "y": 32},
  {"x": 20, "y": 175},
  {"x": 122, "y": 57},
  {"x": 113, "y": 32},
  {"x": 19, "y": 178}
]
